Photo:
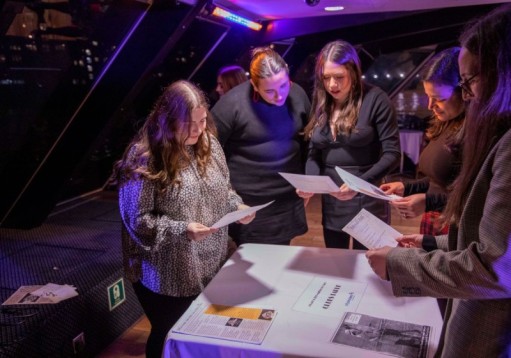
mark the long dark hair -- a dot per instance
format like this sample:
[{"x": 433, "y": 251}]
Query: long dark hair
[
  {"x": 342, "y": 53},
  {"x": 157, "y": 152},
  {"x": 443, "y": 69},
  {"x": 488, "y": 116}
]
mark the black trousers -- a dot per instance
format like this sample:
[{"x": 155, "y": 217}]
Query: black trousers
[
  {"x": 163, "y": 312},
  {"x": 340, "y": 240}
]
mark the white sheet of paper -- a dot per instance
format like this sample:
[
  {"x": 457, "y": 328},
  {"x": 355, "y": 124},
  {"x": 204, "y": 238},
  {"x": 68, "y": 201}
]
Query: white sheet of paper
[
  {"x": 360, "y": 185},
  {"x": 319, "y": 184},
  {"x": 371, "y": 231},
  {"x": 238, "y": 214},
  {"x": 330, "y": 297}
]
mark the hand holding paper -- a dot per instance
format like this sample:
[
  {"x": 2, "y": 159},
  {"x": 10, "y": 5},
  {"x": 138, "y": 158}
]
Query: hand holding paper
[
  {"x": 238, "y": 214},
  {"x": 360, "y": 185},
  {"x": 345, "y": 193},
  {"x": 246, "y": 219},
  {"x": 371, "y": 231},
  {"x": 318, "y": 184}
]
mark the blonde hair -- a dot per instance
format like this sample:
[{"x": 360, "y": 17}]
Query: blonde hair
[{"x": 265, "y": 63}]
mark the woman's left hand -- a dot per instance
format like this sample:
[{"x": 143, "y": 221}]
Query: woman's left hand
[
  {"x": 377, "y": 259},
  {"x": 411, "y": 206},
  {"x": 198, "y": 232},
  {"x": 247, "y": 219},
  {"x": 344, "y": 193}
]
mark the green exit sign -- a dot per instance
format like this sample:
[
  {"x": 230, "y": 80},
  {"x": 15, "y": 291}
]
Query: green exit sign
[{"x": 116, "y": 294}]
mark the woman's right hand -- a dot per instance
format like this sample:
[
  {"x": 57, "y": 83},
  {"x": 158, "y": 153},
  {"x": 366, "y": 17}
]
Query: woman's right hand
[
  {"x": 198, "y": 232},
  {"x": 304, "y": 194},
  {"x": 410, "y": 241},
  {"x": 395, "y": 187}
]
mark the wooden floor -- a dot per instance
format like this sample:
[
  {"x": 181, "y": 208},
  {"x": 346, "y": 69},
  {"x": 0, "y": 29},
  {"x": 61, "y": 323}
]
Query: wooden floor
[{"x": 132, "y": 343}]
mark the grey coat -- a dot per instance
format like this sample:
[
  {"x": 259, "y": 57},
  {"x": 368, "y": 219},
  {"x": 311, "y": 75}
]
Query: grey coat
[{"x": 472, "y": 267}]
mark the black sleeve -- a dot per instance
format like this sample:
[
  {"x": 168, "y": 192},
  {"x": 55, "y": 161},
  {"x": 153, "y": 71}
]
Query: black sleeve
[
  {"x": 416, "y": 186},
  {"x": 224, "y": 117},
  {"x": 313, "y": 164},
  {"x": 386, "y": 126},
  {"x": 436, "y": 202},
  {"x": 429, "y": 243}
]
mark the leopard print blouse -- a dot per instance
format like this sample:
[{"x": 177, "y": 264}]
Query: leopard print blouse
[{"x": 156, "y": 249}]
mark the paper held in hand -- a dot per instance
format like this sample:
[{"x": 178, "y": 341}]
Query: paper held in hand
[
  {"x": 371, "y": 231},
  {"x": 360, "y": 185},
  {"x": 318, "y": 184},
  {"x": 238, "y": 214}
]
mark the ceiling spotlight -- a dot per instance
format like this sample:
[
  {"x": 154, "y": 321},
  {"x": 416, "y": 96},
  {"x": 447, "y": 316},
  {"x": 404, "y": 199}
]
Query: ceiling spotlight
[{"x": 312, "y": 2}]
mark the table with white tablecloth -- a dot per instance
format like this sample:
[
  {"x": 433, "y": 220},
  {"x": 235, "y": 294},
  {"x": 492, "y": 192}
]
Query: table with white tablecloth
[{"x": 276, "y": 277}]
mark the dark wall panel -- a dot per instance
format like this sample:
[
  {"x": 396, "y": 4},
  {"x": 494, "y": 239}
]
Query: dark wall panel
[{"x": 29, "y": 195}]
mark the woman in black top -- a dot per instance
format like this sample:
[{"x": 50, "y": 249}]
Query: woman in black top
[
  {"x": 353, "y": 126},
  {"x": 259, "y": 125}
]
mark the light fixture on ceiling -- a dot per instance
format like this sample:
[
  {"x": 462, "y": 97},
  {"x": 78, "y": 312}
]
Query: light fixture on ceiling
[
  {"x": 237, "y": 19},
  {"x": 334, "y": 8}
]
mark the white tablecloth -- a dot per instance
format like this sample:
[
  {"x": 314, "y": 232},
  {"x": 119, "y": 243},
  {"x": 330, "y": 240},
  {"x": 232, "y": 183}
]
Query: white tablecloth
[{"x": 270, "y": 276}]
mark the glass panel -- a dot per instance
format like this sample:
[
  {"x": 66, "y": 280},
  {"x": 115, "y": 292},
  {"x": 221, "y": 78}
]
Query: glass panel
[
  {"x": 390, "y": 71},
  {"x": 52, "y": 55}
]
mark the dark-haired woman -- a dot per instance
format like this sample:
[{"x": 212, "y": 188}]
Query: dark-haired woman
[
  {"x": 353, "y": 126},
  {"x": 471, "y": 265},
  {"x": 440, "y": 161}
]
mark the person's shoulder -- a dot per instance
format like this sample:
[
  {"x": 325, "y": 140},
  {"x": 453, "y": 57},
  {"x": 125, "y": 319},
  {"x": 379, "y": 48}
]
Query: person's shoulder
[
  {"x": 297, "y": 89},
  {"x": 299, "y": 97},
  {"x": 507, "y": 136},
  {"x": 214, "y": 143},
  {"x": 233, "y": 98},
  {"x": 503, "y": 144},
  {"x": 372, "y": 90},
  {"x": 375, "y": 94},
  {"x": 242, "y": 88},
  {"x": 235, "y": 94}
]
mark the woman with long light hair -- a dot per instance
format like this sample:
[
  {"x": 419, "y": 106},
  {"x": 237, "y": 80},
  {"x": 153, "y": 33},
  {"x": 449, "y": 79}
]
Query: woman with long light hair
[{"x": 173, "y": 185}]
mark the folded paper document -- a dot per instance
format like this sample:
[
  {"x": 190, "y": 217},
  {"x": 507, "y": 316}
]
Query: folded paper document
[
  {"x": 360, "y": 185},
  {"x": 371, "y": 231},
  {"x": 234, "y": 216},
  {"x": 318, "y": 184}
]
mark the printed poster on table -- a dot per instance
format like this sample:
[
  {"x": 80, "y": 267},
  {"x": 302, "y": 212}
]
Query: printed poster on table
[
  {"x": 328, "y": 297},
  {"x": 397, "y": 338},
  {"x": 233, "y": 323}
]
